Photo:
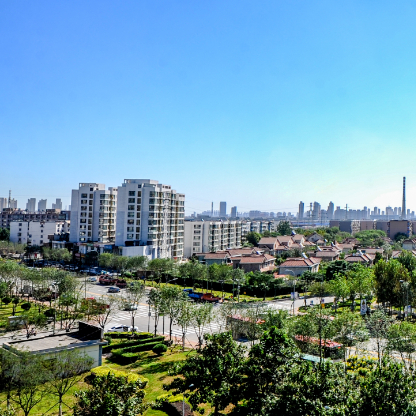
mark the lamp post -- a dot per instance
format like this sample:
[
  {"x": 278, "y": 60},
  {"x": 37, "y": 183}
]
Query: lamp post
[
  {"x": 294, "y": 288},
  {"x": 149, "y": 314}
]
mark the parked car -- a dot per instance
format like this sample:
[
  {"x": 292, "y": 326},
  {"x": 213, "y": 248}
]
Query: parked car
[
  {"x": 123, "y": 328},
  {"x": 130, "y": 307},
  {"x": 113, "y": 289},
  {"x": 92, "y": 279}
]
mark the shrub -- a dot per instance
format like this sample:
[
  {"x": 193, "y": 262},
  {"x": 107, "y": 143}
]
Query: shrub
[
  {"x": 26, "y": 306},
  {"x": 159, "y": 349},
  {"x": 131, "y": 377},
  {"x": 137, "y": 335},
  {"x": 132, "y": 343},
  {"x": 6, "y": 300},
  {"x": 50, "y": 313}
]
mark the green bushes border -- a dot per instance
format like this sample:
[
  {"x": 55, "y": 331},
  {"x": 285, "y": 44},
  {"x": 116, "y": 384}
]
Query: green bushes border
[{"x": 131, "y": 343}]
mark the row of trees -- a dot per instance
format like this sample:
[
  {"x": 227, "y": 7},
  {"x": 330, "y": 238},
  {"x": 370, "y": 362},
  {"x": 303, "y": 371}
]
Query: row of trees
[
  {"x": 27, "y": 378},
  {"x": 273, "y": 379}
]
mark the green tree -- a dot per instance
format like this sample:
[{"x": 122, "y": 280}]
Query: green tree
[
  {"x": 266, "y": 369},
  {"x": 111, "y": 395},
  {"x": 284, "y": 228},
  {"x": 388, "y": 390},
  {"x": 214, "y": 373},
  {"x": 253, "y": 238},
  {"x": 407, "y": 259},
  {"x": 171, "y": 298},
  {"x": 201, "y": 317},
  {"x": 4, "y": 234},
  {"x": 387, "y": 276},
  {"x": 64, "y": 371},
  {"x": 132, "y": 297},
  {"x": 29, "y": 381}
]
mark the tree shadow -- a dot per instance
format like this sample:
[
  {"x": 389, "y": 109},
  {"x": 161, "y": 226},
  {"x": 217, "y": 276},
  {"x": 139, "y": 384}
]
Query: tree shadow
[{"x": 156, "y": 368}]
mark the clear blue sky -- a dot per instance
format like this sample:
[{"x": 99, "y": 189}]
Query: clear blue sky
[{"x": 258, "y": 103}]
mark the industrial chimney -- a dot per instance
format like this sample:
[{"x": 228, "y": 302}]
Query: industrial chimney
[{"x": 404, "y": 199}]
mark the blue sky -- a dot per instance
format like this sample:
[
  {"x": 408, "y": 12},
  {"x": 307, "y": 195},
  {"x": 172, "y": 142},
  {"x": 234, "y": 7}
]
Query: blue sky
[{"x": 258, "y": 103}]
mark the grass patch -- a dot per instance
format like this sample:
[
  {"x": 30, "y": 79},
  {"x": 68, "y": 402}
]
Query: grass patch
[{"x": 149, "y": 365}]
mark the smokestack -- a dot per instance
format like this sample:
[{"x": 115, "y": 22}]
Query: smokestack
[{"x": 404, "y": 199}]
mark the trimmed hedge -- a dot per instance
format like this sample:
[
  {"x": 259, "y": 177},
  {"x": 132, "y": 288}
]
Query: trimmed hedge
[
  {"x": 138, "y": 348},
  {"x": 137, "y": 335},
  {"x": 131, "y": 343},
  {"x": 131, "y": 377}
]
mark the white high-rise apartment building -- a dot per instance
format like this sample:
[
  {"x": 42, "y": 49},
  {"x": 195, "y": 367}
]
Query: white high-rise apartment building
[
  {"x": 31, "y": 205},
  {"x": 150, "y": 219},
  {"x": 42, "y": 204},
  {"x": 211, "y": 236},
  {"x": 36, "y": 233},
  {"x": 93, "y": 214}
]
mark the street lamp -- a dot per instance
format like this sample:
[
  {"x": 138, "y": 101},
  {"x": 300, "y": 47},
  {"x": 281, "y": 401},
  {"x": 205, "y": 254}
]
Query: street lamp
[
  {"x": 294, "y": 288},
  {"x": 183, "y": 400}
]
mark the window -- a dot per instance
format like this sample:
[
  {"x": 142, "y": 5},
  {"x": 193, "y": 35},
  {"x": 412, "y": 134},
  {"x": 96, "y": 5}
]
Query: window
[
  {"x": 91, "y": 189},
  {"x": 130, "y": 207},
  {"x": 83, "y": 214},
  {"x": 129, "y": 236},
  {"x": 41, "y": 241},
  {"x": 83, "y": 201},
  {"x": 132, "y": 193},
  {"x": 130, "y": 215},
  {"x": 138, "y": 207},
  {"x": 83, "y": 221},
  {"x": 196, "y": 244},
  {"x": 132, "y": 200},
  {"x": 138, "y": 215},
  {"x": 137, "y": 222},
  {"x": 139, "y": 200},
  {"x": 20, "y": 224},
  {"x": 137, "y": 229},
  {"x": 197, "y": 232},
  {"x": 84, "y": 195},
  {"x": 197, "y": 237},
  {"x": 130, "y": 228},
  {"x": 137, "y": 236},
  {"x": 139, "y": 193},
  {"x": 130, "y": 221}
]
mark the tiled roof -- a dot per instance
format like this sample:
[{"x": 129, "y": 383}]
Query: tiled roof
[
  {"x": 212, "y": 256},
  {"x": 299, "y": 262},
  {"x": 326, "y": 254},
  {"x": 256, "y": 259},
  {"x": 241, "y": 251},
  {"x": 363, "y": 258},
  {"x": 267, "y": 240}
]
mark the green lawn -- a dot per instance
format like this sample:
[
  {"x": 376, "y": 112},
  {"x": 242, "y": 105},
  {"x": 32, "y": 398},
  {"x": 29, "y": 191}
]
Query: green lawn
[{"x": 154, "y": 368}]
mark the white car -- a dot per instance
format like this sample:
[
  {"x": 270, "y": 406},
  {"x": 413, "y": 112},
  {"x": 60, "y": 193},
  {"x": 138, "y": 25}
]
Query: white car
[
  {"x": 123, "y": 328},
  {"x": 130, "y": 307},
  {"x": 92, "y": 279}
]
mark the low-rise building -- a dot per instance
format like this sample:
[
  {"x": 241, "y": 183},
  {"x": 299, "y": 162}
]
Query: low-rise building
[
  {"x": 298, "y": 265},
  {"x": 409, "y": 244},
  {"x": 365, "y": 259},
  {"x": 254, "y": 263},
  {"x": 87, "y": 339},
  {"x": 9, "y": 215}
]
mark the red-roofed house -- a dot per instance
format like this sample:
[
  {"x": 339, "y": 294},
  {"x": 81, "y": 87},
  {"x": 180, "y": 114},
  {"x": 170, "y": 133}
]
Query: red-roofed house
[
  {"x": 299, "y": 265},
  {"x": 254, "y": 263}
]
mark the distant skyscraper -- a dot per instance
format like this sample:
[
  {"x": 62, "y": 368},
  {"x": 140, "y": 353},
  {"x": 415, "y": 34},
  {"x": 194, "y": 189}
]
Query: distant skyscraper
[
  {"x": 233, "y": 212},
  {"x": 3, "y": 203},
  {"x": 31, "y": 205},
  {"x": 301, "y": 212},
  {"x": 223, "y": 209},
  {"x": 57, "y": 204},
  {"x": 330, "y": 212},
  {"x": 42, "y": 205},
  {"x": 316, "y": 212}
]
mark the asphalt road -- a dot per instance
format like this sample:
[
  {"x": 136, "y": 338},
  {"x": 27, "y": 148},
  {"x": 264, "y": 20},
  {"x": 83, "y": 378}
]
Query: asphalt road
[{"x": 144, "y": 322}]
